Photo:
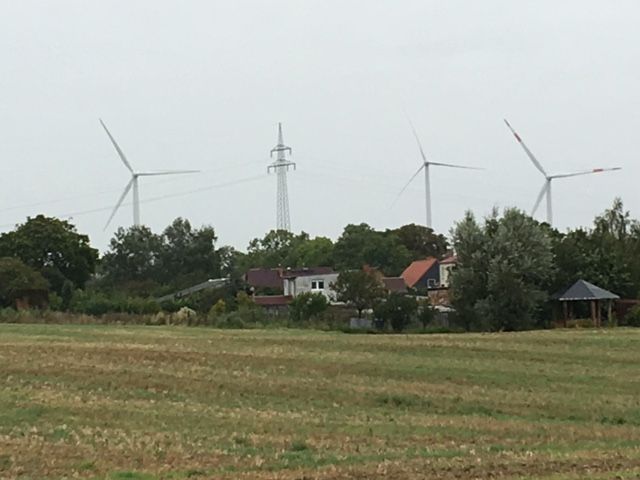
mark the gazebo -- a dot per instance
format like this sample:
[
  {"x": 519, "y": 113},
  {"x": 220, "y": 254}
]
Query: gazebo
[{"x": 583, "y": 291}]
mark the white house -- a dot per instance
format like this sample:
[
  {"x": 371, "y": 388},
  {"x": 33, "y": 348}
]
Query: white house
[{"x": 313, "y": 280}]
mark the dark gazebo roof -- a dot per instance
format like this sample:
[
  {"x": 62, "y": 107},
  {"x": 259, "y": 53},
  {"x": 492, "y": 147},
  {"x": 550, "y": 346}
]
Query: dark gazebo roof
[{"x": 582, "y": 290}]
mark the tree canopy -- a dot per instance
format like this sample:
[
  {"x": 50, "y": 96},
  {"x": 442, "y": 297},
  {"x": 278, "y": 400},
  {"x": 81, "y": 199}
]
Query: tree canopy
[
  {"x": 503, "y": 266},
  {"x": 607, "y": 254},
  {"x": 420, "y": 241},
  {"x": 280, "y": 248},
  {"x": 361, "y": 245},
  {"x": 508, "y": 264},
  {"x": 179, "y": 257},
  {"x": 54, "y": 248},
  {"x": 397, "y": 310},
  {"x": 358, "y": 288},
  {"x": 18, "y": 279}
]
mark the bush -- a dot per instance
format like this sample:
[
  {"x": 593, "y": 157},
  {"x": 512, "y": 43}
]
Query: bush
[
  {"x": 397, "y": 310},
  {"x": 19, "y": 280},
  {"x": 232, "y": 320},
  {"x": 308, "y": 305},
  {"x": 99, "y": 303},
  {"x": 632, "y": 318},
  {"x": 171, "y": 306},
  {"x": 217, "y": 311},
  {"x": 426, "y": 314}
]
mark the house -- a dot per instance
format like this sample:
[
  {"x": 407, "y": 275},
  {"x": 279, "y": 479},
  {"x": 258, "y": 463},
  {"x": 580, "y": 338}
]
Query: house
[
  {"x": 313, "y": 280},
  {"x": 266, "y": 280},
  {"x": 422, "y": 274},
  {"x": 447, "y": 265}
]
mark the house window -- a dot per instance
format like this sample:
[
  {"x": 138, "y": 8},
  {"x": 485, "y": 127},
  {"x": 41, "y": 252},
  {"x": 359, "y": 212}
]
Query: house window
[
  {"x": 317, "y": 284},
  {"x": 431, "y": 283}
]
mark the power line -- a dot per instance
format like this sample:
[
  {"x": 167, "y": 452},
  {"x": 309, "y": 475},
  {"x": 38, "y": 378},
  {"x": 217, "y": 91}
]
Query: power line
[
  {"x": 159, "y": 198},
  {"x": 113, "y": 190}
]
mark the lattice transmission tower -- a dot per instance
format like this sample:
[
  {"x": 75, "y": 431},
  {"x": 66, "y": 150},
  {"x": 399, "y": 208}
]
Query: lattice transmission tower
[{"x": 281, "y": 166}]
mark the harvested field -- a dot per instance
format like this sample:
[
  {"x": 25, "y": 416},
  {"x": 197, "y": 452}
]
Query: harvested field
[{"x": 159, "y": 402}]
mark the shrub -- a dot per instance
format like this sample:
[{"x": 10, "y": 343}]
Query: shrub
[
  {"x": 218, "y": 309},
  {"x": 18, "y": 280},
  {"x": 633, "y": 317},
  {"x": 99, "y": 303},
  {"x": 397, "y": 310},
  {"x": 231, "y": 320},
  {"x": 308, "y": 305},
  {"x": 426, "y": 314}
]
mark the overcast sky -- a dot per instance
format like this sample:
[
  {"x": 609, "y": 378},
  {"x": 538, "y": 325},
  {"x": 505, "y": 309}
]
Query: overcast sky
[{"x": 203, "y": 84}]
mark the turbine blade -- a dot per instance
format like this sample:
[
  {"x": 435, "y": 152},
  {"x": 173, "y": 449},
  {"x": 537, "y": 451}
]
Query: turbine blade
[
  {"x": 115, "y": 144},
  {"x": 415, "y": 134},
  {"x": 120, "y": 200},
  {"x": 585, "y": 172},
  {"x": 166, "y": 172},
  {"x": 438, "y": 164},
  {"x": 540, "y": 197},
  {"x": 408, "y": 183},
  {"x": 535, "y": 161}
]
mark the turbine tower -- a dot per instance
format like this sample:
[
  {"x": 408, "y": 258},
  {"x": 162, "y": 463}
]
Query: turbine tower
[
  {"x": 426, "y": 164},
  {"x": 134, "y": 181},
  {"x": 281, "y": 167},
  {"x": 546, "y": 187}
]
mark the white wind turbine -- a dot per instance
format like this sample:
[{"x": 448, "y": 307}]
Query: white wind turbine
[
  {"x": 546, "y": 187},
  {"x": 134, "y": 181},
  {"x": 427, "y": 183}
]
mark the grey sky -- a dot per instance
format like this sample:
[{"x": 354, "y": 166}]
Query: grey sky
[{"x": 203, "y": 85}]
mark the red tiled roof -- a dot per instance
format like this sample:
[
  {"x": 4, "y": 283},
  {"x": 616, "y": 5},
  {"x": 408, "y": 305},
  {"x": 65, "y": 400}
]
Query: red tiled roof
[
  {"x": 394, "y": 284},
  {"x": 272, "y": 300},
  {"x": 414, "y": 272}
]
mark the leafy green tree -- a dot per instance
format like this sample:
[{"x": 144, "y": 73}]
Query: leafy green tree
[
  {"x": 280, "y": 248},
  {"x": 361, "y": 245},
  {"x": 312, "y": 252},
  {"x": 397, "y": 310},
  {"x": 421, "y": 241},
  {"x": 273, "y": 250},
  {"x": 187, "y": 256},
  {"x": 133, "y": 258},
  {"x": 307, "y": 305},
  {"x": 230, "y": 262},
  {"x": 607, "y": 255},
  {"x": 469, "y": 280},
  {"x": 145, "y": 263},
  {"x": 358, "y": 288},
  {"x": 502, "y": 270},
  {"x": 54, "y": 248},
  {"x": 17, "y": 280},
  {"x": 616, "y": 241}
]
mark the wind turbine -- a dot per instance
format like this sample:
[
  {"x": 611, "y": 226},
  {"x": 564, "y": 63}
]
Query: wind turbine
[
  {"x": 427, "y": 183},
  {"x": 546, "y": 187},
  {"x": 134, "y": 181}
]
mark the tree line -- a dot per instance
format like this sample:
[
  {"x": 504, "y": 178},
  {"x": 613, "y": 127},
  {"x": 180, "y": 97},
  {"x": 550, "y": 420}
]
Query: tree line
[{"x": 508, "y": 264}]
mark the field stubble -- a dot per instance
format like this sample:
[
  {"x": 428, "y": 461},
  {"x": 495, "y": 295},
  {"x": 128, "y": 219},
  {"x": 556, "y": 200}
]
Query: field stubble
[{"x": 157, "y": 402}]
